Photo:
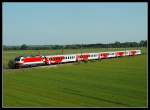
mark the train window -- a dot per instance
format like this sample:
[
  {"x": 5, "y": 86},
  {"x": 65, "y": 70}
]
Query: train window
[{"x": 111, "y": 53}]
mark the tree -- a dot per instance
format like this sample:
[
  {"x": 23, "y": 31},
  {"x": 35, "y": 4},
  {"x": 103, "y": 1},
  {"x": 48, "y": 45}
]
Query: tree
[
  {"x": 11, "y": 64},
  {"x": 117, "y": 44},
  {"x": 24, "y": 47},
  {"x": 143, "y": 43}
]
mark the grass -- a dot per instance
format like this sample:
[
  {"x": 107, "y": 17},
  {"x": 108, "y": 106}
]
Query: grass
[{"x": 118, "y": 82}]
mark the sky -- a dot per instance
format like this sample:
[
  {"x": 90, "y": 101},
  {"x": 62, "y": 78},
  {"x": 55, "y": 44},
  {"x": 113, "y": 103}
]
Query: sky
[{"x": 73, "y": 23}]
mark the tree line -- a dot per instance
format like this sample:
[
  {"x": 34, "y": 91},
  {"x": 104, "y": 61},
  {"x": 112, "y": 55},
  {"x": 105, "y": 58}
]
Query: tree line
[{"x": 142, "y": 43}]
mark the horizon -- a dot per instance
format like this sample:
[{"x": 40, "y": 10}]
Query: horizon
[{"x": 74, "y": 44}]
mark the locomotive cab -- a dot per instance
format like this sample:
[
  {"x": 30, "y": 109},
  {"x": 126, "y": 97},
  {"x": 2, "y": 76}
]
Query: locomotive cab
[{"x": 18, "y": 62}]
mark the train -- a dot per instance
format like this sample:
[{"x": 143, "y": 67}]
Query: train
[{"x": 39, "y": 60}]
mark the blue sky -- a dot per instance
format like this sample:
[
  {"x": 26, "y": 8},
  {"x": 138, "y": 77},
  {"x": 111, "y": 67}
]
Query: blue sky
[{"x": 73, "y": 23}]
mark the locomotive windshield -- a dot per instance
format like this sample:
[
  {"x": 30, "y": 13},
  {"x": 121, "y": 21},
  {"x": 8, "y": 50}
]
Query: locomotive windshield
[{"x": 17, "y": 59}]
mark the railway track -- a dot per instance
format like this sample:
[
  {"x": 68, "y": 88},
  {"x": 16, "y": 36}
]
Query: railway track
[{"x": 37, "y": 67}]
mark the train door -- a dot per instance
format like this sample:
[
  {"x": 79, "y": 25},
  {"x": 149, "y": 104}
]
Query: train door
[
  {"x": 104, "y": 55},
  {"x": 132, "y": 53},
  {"x": 119, "y": 54}
]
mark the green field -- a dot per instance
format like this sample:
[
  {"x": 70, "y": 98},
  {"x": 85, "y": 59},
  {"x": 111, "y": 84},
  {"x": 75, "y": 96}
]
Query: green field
[{"x": 117, "y": 82}]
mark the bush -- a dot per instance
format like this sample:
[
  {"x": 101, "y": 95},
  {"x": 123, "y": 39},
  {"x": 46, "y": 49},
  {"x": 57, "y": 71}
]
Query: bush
[{"x": 11, "y": 64}]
